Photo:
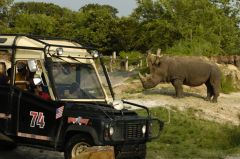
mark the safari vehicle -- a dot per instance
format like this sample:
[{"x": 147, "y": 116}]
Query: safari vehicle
[{"x": 53, "y": 97}]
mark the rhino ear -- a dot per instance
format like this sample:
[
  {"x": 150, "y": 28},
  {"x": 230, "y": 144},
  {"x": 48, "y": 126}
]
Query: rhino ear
[
  {"x": 149, "y": 52},
  {"x": 158, "y": 52},
  {"x": 150, "y": 58},
  {"x": 157, "y": 60}
]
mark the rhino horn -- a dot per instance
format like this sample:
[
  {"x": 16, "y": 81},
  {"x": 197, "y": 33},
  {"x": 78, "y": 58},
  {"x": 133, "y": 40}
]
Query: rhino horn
[
  {"x": 147, "y": 75},
  {"x": 142, "y": 78}
]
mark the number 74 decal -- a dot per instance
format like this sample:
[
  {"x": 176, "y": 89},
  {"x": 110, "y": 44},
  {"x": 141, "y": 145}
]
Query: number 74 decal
[{"x": 37, "y": 119}]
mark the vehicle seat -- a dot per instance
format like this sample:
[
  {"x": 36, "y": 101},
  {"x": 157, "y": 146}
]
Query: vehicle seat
[{"x": 21, "y": 82}]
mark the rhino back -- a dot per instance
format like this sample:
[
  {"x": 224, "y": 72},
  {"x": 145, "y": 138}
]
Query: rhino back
[{"x": 193, "y": 71}]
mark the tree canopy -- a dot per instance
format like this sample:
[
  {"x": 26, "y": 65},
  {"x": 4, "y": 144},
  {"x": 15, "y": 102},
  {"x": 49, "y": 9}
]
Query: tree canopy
[{"x": 203, "y": 27}]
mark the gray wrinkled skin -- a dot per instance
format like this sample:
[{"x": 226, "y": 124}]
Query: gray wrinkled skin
[{"x": 182, "y": 70}]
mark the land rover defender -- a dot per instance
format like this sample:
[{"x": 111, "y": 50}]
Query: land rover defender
[{"x": 53, "y": 97}]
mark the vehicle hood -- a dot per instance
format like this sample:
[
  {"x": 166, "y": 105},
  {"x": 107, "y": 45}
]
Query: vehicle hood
[{"x": 95, "y": 110}]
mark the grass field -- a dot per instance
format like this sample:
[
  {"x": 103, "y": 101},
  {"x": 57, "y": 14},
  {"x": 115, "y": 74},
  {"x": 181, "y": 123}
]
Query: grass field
[{"x": 189, "y": 137}]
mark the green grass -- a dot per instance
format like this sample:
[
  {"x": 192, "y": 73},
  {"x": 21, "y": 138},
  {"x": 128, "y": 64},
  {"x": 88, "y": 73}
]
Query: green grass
[{"x": 189, "y": 137}]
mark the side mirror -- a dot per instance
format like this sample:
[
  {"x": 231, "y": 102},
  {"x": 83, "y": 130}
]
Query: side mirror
[
  {"x": 37, "y": 81},
  {"x": 32, "y": 65}
]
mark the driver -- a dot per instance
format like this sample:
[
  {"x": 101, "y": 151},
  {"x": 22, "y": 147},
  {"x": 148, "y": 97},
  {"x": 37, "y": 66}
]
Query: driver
[{"x": 73, "y": 91}]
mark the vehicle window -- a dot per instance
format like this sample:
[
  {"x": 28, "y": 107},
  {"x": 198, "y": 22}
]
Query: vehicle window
[
  {"x": 24, "y": 80},
  {"x": 5, "y": 65},
  {"x": 76, "y": 81}
]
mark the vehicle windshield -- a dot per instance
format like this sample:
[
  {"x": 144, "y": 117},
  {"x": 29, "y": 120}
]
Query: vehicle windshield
[{"x": 76, "y": 81}]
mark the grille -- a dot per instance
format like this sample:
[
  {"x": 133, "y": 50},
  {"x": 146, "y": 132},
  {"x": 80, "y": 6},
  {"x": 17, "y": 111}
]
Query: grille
[{"x": 134, "y": 130}]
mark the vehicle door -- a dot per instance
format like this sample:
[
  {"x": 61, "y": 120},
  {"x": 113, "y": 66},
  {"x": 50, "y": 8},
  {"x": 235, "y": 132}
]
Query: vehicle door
[
  {"x": 4, "y": 93},
  {"x": 37, "y": 118}
]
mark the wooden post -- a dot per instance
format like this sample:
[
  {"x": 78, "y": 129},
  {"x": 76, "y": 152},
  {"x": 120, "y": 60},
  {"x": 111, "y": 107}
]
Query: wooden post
[
  {"x": 111, "y": 64},
  {"x": 114, "y": 55},
  {"x": 126, "y": 64},
  {"x": 158, "y": 52},
  {"x": 141, "y": 62}
]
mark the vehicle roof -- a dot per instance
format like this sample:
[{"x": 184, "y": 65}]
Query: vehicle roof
[{"x": 28, "y": 42}]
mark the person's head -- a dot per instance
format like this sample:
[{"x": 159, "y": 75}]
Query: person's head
[
  {"x": 38, "y": 89},
  {"x": 2, "y": 68},
  {"x": 22, "y": 68}
]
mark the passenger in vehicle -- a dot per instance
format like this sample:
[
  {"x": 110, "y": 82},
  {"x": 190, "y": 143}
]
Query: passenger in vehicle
[
  {"x": 3, "y": 75},
  {"x": 22, "y": 74},
  {"x": 40, "y": 91}
]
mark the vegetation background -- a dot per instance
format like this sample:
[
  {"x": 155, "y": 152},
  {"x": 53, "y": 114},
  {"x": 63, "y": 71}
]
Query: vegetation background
[{"x": 202, "y": 27}]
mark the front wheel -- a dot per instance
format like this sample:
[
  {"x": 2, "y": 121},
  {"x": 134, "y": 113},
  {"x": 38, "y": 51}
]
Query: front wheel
[{"x": 76, "y": 145}]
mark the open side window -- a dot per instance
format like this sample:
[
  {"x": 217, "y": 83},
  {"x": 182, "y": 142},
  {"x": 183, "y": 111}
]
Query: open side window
[
  {"x": 24, "y": 79},
  {"x": 5, "y": 65}
]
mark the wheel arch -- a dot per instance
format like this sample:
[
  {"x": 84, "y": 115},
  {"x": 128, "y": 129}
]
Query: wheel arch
[{"x": 85, "y": 131}]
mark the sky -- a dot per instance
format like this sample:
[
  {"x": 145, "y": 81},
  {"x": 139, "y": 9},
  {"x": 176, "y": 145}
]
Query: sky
[{"x": 124, "y": 7}]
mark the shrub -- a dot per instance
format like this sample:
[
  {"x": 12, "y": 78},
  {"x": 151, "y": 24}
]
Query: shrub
[
  {"x": 133, "y": 56},
  {"x": 227, "y": 85},
  {"x": 197, "y": 46}
]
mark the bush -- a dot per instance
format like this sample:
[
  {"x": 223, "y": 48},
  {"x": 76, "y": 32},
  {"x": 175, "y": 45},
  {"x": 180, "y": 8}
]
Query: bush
[
  {"x": 133, "y": 56},
  {"x": 227, "y": 85},
  {"x": 197, "y": 46}
]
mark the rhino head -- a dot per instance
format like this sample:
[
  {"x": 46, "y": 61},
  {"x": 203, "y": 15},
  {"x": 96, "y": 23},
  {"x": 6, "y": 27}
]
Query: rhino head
[
  {"x": 152, "y": 79},
  {"x": 148, "y": 81}
]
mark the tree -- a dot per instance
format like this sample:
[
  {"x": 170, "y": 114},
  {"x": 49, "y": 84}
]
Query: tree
[
  {"x": 36, "y": 24},
  {"x": 202, "y": 20},
  {"x": 194, "y": 27},
  {"x": 156, "y": 27},
  {"x": 48, "y": 9},
  {"x": 125, "y": 34},
  {"x": 4, "y": 9},
  {"x": 96, "y": 25}
]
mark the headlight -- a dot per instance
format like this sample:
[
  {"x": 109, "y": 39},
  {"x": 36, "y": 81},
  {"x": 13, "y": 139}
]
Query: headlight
[
  {"x": 111, "y": 131},
  {"x": 144, "y": 128}
]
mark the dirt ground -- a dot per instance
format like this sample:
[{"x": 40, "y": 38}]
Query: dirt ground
[{"x": 227, "y": 110}]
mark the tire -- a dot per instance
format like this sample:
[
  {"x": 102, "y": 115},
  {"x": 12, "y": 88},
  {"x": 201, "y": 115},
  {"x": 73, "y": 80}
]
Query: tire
[{"x": 76, "y": 145}]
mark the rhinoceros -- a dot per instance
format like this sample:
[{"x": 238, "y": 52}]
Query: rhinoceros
[{"x": 182, "y": 70}]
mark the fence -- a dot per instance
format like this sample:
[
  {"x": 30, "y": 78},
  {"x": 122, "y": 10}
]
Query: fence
[{"x": 124, "y": 64}]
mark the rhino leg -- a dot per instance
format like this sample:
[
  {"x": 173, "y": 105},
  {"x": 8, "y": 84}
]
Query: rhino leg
[
  {"x": 215, "y": 81},
  {"x": 215, "y": 92},
  {"x": 178, "y": 88},
  {"x": 209, "y": 91}
]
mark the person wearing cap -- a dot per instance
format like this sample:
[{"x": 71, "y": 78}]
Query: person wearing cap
[{"x": 21, "y": 78}]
